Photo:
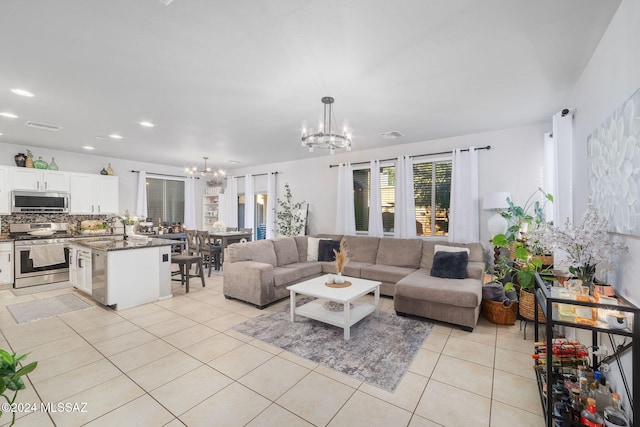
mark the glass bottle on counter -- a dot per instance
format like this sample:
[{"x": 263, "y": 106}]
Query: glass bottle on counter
[
  {"x": 590, "y": 416},
  {"x": 614, "y": 416}
]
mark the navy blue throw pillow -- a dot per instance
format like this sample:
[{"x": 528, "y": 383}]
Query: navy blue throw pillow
[
  {"x": 325, "y": 249},
  {"x": 450, "y": 265}
]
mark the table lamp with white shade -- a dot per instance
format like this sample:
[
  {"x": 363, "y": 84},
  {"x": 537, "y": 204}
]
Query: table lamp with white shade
[{"x": 497, "y": 224}]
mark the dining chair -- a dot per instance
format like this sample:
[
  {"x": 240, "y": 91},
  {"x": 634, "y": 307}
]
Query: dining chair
[
  {"x": 209, "y": 251},
  {"x": 185, "y": 260},
  {"x": 192, "y": 242},
  {"x": 232, "y": 228}
]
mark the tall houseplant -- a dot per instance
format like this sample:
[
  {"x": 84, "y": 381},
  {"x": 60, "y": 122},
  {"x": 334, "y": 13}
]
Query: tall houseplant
[{"x": 289, "y": 222}]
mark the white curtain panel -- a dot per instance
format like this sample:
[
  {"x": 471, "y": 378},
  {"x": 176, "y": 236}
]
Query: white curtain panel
[
  {"x": 141, "y": 202},
  {"x": 190, "y": 204},
  {"x": 463, "y": 211},
  {"x": 345, "y": 213},
  {"x": 271, "y": 205},
  {"x": 549, "y": 183},
  {"x": 563, "y": 149},
  {"x": 249, "y": 203},
  {"x": 404, "y": 218},
  {"x": 231, "y": 203},
  {"x": 375, "y": 201}
]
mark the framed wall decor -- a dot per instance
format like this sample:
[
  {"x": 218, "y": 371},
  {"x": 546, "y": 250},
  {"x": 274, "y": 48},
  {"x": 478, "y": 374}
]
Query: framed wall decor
[{"x": 614, "y": 168}]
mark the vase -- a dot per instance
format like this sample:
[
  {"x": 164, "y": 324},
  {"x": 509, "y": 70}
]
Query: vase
[
  {"x": 20, "y": 159},
  {"x": 28, "y": 162},
  {"x": 129, "y": 230},
  {"x": 339, "y": 279},
  {"x": 40, "y": 164},
  {"x": 52, "y": 165},
  {"x": 109, "y": 170}
]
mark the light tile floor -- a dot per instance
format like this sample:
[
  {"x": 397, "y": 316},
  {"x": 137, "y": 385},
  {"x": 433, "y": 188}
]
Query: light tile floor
[{"x": 177, "y": 362}]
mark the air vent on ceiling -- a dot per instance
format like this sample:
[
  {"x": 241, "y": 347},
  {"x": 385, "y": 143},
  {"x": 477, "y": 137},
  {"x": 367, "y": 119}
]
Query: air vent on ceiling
[
  {"x": 393, "y": 134},
  {"x": 43, "y": 126}
]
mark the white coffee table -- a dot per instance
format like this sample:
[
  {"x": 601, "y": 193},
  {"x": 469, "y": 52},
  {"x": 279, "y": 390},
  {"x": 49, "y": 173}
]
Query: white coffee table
[{"x": 348, "y": 296}]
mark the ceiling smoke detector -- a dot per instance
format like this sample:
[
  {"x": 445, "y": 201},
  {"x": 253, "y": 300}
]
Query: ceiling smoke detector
[
  {"x": 392, "y": 134},
  {"x": 42, "y": 126}
]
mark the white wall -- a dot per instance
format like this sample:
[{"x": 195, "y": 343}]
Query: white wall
[
  {"x": 610, "y": 78},
  {"x": 513, "y": 164},
  {"x": 85, "y": 163}
]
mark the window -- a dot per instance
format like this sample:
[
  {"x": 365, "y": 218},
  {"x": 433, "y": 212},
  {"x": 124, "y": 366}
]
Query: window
[
  {"x": 165, "y": 200},
  {"x": 260, "y": 214},
  {"x": 432, "y": 190}
]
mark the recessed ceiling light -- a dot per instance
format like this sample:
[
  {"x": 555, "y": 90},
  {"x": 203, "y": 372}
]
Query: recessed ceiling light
[
  {"x": 115, "y": 136},
  {"x": 88, "y": 147},
  {"x": 22, "y": 92},
  {"x": 147, "y": 124},
  {"x": 233, "y": 161},
  {"x": 9, "y": 115}
]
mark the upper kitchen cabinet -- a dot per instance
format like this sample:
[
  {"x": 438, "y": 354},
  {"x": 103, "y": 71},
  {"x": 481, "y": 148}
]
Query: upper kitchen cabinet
[
  {"x": 93, "y": 194},
  {"x": 5, "y": 203},
  {"x": 39, "y": 179}
]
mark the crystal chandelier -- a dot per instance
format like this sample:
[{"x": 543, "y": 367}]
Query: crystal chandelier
[
  {"x": 206, "y": 171},
  {"x": 326, "y": 137}
]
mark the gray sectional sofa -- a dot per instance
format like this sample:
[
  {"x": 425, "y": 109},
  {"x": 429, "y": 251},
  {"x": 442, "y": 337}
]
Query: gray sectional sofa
[{"x": 259, "y": 272}]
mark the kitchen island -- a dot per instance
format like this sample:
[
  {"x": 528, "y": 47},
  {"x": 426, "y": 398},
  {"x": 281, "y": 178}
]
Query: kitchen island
[{"x": 127, "y": 273}]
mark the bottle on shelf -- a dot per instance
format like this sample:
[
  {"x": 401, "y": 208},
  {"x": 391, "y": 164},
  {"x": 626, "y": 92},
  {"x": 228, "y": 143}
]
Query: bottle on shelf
[
  {"x": 577, "y": 405},
  {"x": 614, "y": 416},
  {"x": 590, "y": 416},
  {"x": 586, "y": 315},
  {"x": 602, "y": 392}
]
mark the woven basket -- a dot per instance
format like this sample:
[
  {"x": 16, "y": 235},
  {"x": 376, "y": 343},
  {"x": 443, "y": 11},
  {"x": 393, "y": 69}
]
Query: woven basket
[
  {"x": 496, "y": 312},
  {"x": 527, "y": 303}
]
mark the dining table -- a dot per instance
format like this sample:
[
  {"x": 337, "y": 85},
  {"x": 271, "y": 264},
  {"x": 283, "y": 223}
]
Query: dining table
[{"x": 228, "y": 237}]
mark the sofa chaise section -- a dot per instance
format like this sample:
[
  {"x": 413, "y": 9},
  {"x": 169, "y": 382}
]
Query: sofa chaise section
[{"x": 455, "y": 301}]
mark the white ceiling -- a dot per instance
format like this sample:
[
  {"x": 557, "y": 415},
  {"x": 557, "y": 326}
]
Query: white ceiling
[{"x": 233, "y": 79}]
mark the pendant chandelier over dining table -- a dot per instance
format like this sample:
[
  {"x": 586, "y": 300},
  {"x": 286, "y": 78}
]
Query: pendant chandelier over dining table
[
  {"x": 206, "y": 171},
  {"x": 326, "y": 137}
]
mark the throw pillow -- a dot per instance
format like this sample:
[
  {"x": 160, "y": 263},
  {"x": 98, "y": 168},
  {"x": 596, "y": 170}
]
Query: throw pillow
[
  {"x": 312, "y": 247},
  {"x": 450, "y": 265},
  {"x": 443, "y": 248},
  {"x": 325, "y": 250}
]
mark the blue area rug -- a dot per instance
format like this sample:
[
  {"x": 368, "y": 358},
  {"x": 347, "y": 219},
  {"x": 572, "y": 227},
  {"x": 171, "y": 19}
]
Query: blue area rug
[{"x": 380, "y": 350}]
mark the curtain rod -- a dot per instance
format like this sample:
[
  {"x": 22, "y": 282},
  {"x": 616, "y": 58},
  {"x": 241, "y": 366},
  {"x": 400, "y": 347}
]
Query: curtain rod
[
  {"x": 253, "y": 174},
  {"x": 166, "y": 174},
  {"x": 486, "y": 147}
]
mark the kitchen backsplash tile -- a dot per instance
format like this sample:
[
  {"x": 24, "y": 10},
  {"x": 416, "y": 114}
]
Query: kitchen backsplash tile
[{"x": 22, "y": 218}]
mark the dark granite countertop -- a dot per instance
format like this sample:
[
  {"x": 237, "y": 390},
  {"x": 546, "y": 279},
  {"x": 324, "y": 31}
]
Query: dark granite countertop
[{"x": 118, "y": 245}]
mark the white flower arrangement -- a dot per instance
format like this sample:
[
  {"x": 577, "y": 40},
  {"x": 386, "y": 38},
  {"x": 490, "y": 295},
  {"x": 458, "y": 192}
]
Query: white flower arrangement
[
  {"x": 219, "y": 226},
  {"x": 128, "y": 219},
  {"x": 585, "y": 245}
]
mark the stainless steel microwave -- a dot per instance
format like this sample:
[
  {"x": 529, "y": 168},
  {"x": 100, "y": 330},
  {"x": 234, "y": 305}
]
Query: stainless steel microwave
[{"x": 39, "y": 202}]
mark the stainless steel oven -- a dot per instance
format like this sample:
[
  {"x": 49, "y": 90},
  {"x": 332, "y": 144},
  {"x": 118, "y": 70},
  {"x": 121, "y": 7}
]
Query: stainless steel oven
[
  {"x": 48, "y": 245},
  {"x": 28, "y": 275}
]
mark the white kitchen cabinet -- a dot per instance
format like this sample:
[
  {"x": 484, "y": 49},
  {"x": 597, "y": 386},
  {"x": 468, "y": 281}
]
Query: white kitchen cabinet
[
  {"x": 93, "y": 194},
  {"x": 6, "y": 263},
  {"x": 39, "y": 179},
  {"x": 80, "y": 268},
  {"x": 5, "y": 193}
]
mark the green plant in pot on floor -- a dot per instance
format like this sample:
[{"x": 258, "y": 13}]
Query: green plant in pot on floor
[
  {"x": 11, "y": 377},
  {"x": 523, "y": 240}
]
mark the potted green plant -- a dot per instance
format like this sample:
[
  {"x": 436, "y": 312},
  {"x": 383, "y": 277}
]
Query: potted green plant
[
  {"x": 523, "y": 240},
  {"x": 11, "y": 377}
]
